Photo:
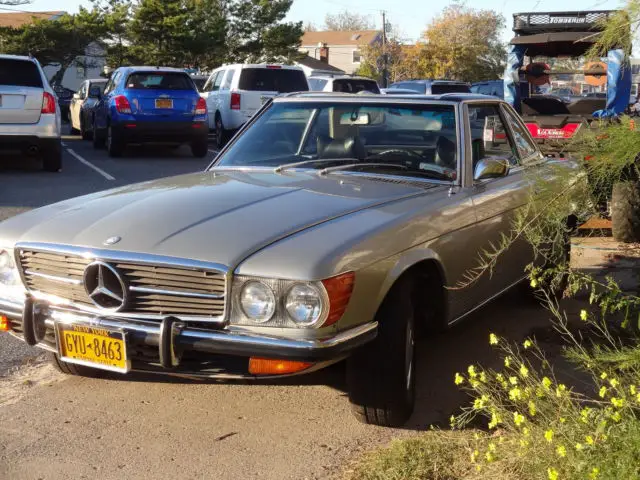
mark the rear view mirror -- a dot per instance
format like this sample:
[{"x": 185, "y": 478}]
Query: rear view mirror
[
  {"x": 358, "y": 119},
  {"x": 94, "y": 92},
  {"x": 495, "y": 167}
]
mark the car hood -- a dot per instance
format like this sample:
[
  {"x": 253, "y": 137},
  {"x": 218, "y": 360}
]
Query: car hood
[{"x": 218, "y": 216}]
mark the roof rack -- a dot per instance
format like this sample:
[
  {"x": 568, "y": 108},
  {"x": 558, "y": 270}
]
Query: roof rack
[{"x": 528, "y": 23}]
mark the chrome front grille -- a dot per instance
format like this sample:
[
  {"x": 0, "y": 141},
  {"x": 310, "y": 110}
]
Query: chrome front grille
[{"x": 156, "y": 286}]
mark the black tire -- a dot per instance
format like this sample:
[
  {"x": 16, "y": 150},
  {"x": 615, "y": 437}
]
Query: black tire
[
  {"x": 52, "y": 158},
  {"x": 72, "y": 368},
  {"x": 381, "y": 375},
  {"x": 83, "y": 132},
  {"x": 98, "y": 138},
  {"x": 115, "y": 144},
  {"x": 74, "y": 131},
  {"x": 222, "y": 135},
  {"x": 625, "y": 211},
  {"x": 200, "y": 148}
]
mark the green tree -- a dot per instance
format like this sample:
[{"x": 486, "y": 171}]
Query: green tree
[
  {"x": 257, "y": 33},
  {"x": 62, "y": 42}
]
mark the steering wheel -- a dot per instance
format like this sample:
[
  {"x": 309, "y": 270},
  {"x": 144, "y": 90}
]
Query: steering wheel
[{"x": 431, "y": 167}]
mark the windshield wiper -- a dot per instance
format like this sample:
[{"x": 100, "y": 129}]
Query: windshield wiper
[
  {"x": 286, "y": 166},
  {"x": 324, "y": 171}
]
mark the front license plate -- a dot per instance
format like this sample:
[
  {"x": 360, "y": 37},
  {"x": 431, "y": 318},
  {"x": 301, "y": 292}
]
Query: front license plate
[
  {"x": 164, "y": 103},
  {"x": 93, "y": 346}
]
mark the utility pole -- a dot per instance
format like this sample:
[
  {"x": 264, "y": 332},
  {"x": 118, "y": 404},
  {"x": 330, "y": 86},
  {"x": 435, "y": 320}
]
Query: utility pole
[{"x": 385, "y": 73}]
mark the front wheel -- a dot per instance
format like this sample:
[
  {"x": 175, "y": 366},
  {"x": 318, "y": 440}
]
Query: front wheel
[
  {"x": 381, "y": 375},
  {"x": 200, "y": 148},
  {"x": 52, "y": 158},
  {"x": 83, "y": 131},
  {"x": 222, "y": 135},
  {"x": 98, "y": 139},
  {"x": 72, "y": 368},
  {"x": 625, "y": 211}
]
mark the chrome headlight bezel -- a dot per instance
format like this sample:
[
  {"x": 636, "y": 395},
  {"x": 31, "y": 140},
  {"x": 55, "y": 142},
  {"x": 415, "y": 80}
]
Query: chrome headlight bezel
[
  {"x": 11, "y": 285},
  {"x": 281, "y": 317}
]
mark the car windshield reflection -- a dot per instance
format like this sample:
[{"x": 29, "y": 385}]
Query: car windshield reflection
[{"x": 415, "y": 140}]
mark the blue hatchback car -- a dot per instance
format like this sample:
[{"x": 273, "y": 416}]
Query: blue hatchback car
[{"x": 150, "y": 105}]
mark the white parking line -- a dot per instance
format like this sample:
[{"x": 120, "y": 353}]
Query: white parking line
[{"x": 91, "y": 165}]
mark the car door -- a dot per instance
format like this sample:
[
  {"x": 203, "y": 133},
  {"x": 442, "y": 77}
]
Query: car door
[
  {"x": 212, "y": 97},
  {"x": 76, "y": 104},
  {"x": 224, "y": 93},
  {"x": 497, "y": 201}
]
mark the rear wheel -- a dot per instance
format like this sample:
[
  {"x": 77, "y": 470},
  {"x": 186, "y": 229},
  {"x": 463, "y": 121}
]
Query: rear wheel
[
  {"x": 222, "y": 135},
  {"x": 52, "y": 158},
  {"x": 625, "y": 211},
  {"x": 115, "y": 144},
  {"x": 72, "y": 368},
  {"x": 83, "y": 131},
  {"x": 200, "y": 148},
  {"x": 381, "y": 375}
]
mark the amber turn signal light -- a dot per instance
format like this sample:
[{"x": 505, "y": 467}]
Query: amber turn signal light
[
  {"x": 268, "y": 366},
  {"x": 339, "y": 290},
  {"x": 4, "y": 324}
]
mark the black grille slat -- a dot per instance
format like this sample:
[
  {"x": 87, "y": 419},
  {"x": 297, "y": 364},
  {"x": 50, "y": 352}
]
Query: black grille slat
[{"x": 198, "y": 293}]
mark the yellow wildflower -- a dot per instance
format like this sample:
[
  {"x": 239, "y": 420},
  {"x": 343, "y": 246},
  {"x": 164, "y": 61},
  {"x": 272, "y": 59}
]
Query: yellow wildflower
[
  {"x": 563, "y": 420},
  {"x": 533, "y": 283},
  {"x": 617, "y": 402},
  {"x": 515, "y": 394},
  {"x": 560, "y": 389},
  {"x": 472, "y": 371},
  {"x": 474, "y": 383},
  {"x": 474, "y": 455},
  {"x": 561, "y": 451},
  {"x": 492, "y": 447},
  {"x": 603, "y": 375},
  {"x": 524, "y": 371},
  {"x": 603, "y": 392},
  {"x": 524, "y": 443},
  {"x": 527, "y": 344},
  {"x": 632, "y": 389},
  {"x": 546, "y": 383},
  {"x": 613, "y": 382},
  {"x": 483, "y": 377},
  {"x": 458, "y": 379},
  {"x": 638, "y": 397},
  {"x": 579, "y": 446},
  {"x": 507, "y": 361},
  {"x": 493, "y": 339},
  {"x": 584, "y": 315},
  {"x": 584, "y": 414},
  {"x": 495, "y": 420},
  {"x": 553, "y": 473},
  {"x": 616, "y": 417},
  {"x": 525, "y": 431},
  {"x": 513, "y": 380},
  {"x": 489, "y": 457},
  {"x": 480, "y": 403},
  {"x": 595, "y": 472},
  {"x": 532, "y": 408},
  {"x": 548, "y": 435},
  {"x": 452, "y": 420},
  {"x": 518, "y": 418},
  {"x": 588, "y": 439}
]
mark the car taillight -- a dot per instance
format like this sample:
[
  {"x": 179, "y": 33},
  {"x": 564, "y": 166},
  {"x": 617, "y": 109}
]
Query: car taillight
[
  {"x": 201, "y": 107},
  {"x": 48, "y": 103},
  {"x": 274, "y": 67},
  {"x": 235, "y": 101},
  {"x": 122, "y": 104}
]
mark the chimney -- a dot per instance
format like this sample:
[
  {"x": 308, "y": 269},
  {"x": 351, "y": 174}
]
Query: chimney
[{"x": 324, "y": 52}]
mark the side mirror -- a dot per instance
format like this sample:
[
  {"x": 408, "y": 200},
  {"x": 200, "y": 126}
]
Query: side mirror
[
  {"x": 76, "y": 96},
  {"x": 495, "y": 167},
  {"x": 94, "y": 92}
]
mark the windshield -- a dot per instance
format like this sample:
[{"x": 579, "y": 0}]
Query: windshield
[
  {"x": 420, "y": 139},
  {"x": 440, "y": 88}
]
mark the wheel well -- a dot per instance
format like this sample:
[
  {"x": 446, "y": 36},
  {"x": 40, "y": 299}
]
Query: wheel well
[{"x": 428, "y": 296}]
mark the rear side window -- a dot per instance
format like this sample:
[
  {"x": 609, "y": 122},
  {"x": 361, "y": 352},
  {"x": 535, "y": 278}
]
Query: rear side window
[
  {"x": 21, "y": 73},
  {"x": 355, "y": 86},
  {"x": 317, "y": 84},
  {"x": 440, "y": 88},
  {"x": 159, "y": 81},
  {"x": 273, "y": 80}
]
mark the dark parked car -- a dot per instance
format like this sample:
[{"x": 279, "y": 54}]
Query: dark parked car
[
  {"x": 64, "y": 100},
  {"x": 150, "y": 105},
  {"x": 82, "y": 105}
]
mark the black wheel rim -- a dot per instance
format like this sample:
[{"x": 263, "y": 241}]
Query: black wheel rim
[{"x": 409, "y": 358}]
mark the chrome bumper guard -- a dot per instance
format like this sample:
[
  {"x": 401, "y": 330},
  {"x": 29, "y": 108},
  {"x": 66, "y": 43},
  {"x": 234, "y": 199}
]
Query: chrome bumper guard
[{"x": 172, "y": 336}]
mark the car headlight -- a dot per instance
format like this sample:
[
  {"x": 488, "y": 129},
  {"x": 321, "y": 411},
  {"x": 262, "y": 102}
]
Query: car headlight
[
  {"x": 304, "y": 304},
  {"x": 9, "y": 275},
  {"x": 257, "y": 301}
]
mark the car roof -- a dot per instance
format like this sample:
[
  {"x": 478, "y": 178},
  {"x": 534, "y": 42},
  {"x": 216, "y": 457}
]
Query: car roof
[
  {"x": 341, "y": 77},
  {"x": 17, "y": 57},
  {"x": 97, "y": 80},
  {"x": 260, "y": 65},
  {"x": 148, "y": 68},
  {"x": 338, "y": 96},
  {"x": 425, "y": 82}
]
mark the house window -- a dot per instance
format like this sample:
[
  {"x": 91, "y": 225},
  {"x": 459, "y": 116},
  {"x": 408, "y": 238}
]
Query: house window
[{"x": 356, "y": 56}]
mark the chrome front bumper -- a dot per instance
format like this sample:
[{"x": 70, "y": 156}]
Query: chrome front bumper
[{"x": 172, "y": 336}]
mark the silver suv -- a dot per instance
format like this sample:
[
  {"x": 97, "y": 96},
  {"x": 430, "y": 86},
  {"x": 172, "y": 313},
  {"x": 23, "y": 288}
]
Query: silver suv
[{"x": 29, "y": 112}]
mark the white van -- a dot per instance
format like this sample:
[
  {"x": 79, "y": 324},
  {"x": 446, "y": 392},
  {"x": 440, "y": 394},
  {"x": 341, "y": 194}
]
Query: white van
[{"x": 235, "y": 92}]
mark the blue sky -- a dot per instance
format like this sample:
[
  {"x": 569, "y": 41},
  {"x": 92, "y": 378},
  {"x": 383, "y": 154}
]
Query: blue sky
[{"x": 410, "y": 15}]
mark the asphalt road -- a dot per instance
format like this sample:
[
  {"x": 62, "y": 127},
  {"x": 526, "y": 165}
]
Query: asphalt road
[{"x": 52, "y": 426}]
